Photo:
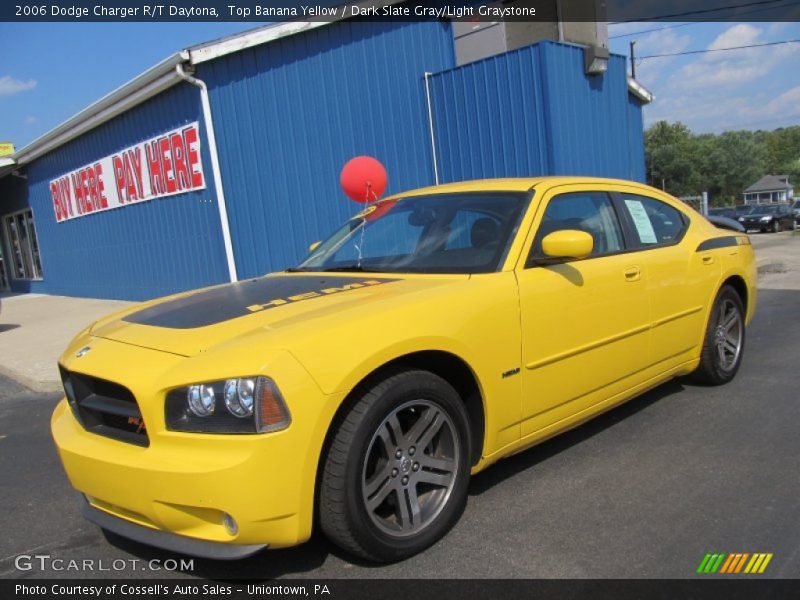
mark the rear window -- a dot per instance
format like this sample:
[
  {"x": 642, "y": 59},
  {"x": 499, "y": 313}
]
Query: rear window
[{"x": 655, "y": 223}]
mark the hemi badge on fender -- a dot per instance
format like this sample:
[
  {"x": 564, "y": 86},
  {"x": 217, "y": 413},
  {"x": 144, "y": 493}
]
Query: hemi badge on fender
[{"x": 511, "y": 372}]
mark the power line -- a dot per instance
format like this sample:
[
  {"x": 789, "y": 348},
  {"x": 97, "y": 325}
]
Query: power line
[
  {"x": 738, "y": 14},
  {"x": 623, "y": 35},
  {"x": 698, "y": 12},
  {"x": 718, "y": 49}
]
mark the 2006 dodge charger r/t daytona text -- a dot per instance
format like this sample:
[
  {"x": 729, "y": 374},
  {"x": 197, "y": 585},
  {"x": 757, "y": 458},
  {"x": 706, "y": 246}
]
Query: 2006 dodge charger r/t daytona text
[{"x": 436, "y": 332}]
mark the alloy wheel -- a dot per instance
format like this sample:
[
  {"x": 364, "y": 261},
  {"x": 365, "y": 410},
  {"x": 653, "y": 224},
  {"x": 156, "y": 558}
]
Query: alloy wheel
[
  {"x": 410, "y": 468},
  {"x": 728, "y": 335}
]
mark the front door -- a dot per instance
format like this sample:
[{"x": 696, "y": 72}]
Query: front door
[{"x": 585, "y": 323}]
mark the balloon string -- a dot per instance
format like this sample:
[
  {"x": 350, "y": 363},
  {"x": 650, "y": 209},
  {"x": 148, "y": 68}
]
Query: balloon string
[{"x": 368, "y": 202}]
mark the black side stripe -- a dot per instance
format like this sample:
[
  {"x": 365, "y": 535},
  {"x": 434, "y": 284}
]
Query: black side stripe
[{"x": 719, "y": 242}]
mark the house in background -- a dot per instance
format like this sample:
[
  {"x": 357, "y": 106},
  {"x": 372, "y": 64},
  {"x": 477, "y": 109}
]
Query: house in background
[{"x": 770, "y": 189}]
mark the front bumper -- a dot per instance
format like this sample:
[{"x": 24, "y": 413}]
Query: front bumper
[
  {"x": 166, "y": 540},
  {"x": 177, "y": 492}
]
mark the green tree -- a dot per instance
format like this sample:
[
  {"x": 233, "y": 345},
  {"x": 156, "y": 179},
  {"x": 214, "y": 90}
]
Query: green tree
[
  {"x": 668, "y": 156},
  {"x": 721, "y": 164}
]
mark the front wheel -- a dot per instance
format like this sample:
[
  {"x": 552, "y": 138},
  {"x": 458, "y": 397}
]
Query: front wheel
[
  {"x": 723, "y": 345},
  {"x": 395, "y": 476}
]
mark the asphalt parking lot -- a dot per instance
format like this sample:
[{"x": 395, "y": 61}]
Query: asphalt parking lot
[{"x": 645, "y": 490}]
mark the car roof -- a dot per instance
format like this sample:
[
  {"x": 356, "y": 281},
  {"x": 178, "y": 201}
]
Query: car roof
[{"x": 518, "y": 184}]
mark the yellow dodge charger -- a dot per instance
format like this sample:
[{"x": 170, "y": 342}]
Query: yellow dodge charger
[{"x": 435, "y": 333}]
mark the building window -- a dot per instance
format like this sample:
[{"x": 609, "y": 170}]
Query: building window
[{"x": 24, "y": 261}]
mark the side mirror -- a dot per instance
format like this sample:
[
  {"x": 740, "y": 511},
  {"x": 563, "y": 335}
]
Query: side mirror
[
  {"x": 314, "y": 246},
  {"x": 568, "y": 243}
]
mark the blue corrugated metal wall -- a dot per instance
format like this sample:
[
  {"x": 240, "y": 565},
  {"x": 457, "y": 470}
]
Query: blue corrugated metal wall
[
  {"x": 489, "y": 118},
  {"x": 139, "y": 251},
  {"x": 289, "y": 114},
  {"x": 533, "y": 111}
]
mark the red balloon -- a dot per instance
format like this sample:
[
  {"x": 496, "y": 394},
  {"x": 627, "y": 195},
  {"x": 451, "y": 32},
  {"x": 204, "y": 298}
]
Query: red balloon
[{"x": 363, "y": 179}]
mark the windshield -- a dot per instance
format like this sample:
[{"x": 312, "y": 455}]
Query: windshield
[
  {"x": 441, "y": 233},
  {"x": 764, "y": 210}
]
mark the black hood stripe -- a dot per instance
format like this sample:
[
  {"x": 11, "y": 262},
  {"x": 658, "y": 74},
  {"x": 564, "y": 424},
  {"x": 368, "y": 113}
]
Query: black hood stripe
[{"x": 243, "y": 298}]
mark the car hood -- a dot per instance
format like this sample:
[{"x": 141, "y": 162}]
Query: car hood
[{"x": 191, "y": 323}]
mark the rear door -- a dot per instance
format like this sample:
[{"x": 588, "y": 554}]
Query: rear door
[{"x": 680, "y": 278}]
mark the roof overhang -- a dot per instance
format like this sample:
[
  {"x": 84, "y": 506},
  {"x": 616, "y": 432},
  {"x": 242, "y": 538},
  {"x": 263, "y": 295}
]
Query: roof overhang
[
  {"x": 641, "y": 92},
  {"x": 248, "y": 39},
  {"x": 137, "y": 90}
]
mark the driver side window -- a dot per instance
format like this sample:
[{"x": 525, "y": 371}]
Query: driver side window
[{"x": 591, "y": 212}]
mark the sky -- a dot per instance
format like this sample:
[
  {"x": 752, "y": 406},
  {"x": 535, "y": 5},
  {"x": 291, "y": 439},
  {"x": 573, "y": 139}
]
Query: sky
[
  {"x": 57, "y": 69},
  {"x": 753, "y": 88}
]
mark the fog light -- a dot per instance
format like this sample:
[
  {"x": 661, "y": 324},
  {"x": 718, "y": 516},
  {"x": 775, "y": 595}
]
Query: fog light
[{"x": 230, "y": 524}]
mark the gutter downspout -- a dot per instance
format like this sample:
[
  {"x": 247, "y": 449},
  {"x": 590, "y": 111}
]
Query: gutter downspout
[
  {"x": 212, "y": 148},
  {"x": 430, "y": 127},
  {"x": 560, "y": 21}
]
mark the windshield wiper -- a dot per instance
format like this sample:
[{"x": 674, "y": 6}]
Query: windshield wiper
[
  {"x": 350, "y": 269},
  {"x": 296, "y": 270}
]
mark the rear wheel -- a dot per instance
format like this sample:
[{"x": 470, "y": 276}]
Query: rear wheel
[
  {"x": 723, "y": 345},
  {"x": 396, "y": 472}
]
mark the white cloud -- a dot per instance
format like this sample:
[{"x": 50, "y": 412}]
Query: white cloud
[
  {"x": 734, "y": 68},
  {"x": 31, "y": 120},
  {"x": 787, "y": 104},
  {"x": 665, "y": 41},
  {"x": 738, "y": 35},
  {"x": 9, "y": 85},
  {"x": 715, "y": 113}
]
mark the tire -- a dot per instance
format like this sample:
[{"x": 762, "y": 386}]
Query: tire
[
  {"x": 405, "y": 438},
  {"x": 776, "y": 226},
  {"x": 723, "y": 344}
]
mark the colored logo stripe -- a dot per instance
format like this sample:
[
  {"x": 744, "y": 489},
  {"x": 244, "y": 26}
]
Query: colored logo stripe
[
  {"x": 758, "y": 563},
  {"x": 734, "y": 563}
]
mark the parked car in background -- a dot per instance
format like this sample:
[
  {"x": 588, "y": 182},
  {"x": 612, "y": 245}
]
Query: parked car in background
[
  {"x": 725, "y": 211},
  {"x": 744, "y": 209},
  {"x": 796, "y": 210},
  {"x": 769, "y": 217}
]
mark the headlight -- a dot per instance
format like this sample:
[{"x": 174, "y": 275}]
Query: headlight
[
  {"x": 741, "y": 219},
  {"x": 241, "y": 405},
  {"x": 201, "y": 400},
  {"x": 765, "y": 219}
]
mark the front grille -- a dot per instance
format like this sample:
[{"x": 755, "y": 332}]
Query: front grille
[{"x": 104, "y": 407}]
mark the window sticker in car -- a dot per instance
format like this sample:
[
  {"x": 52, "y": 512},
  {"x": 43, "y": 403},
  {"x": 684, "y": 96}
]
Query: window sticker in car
[{"x": 641, "y": 221}]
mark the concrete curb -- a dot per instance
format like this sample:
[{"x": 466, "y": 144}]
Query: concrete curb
[{"x": 44, "y": 387}]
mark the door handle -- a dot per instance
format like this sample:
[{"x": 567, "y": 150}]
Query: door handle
[
  {"x": 708, "y": 259},
  {"x": 633, "y": 273}
]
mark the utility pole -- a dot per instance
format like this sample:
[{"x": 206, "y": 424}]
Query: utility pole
[{"x": 633, "y": 61}]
